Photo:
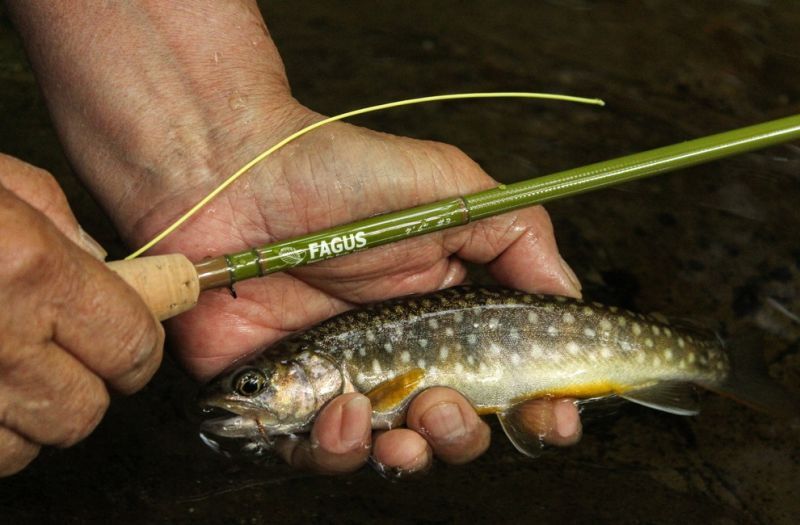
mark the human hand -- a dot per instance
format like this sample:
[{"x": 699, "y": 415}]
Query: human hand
[
  {"x": 227, "y": 100},
  {"x": 69, "y": 327}
]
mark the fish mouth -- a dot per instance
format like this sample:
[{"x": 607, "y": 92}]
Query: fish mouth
[{"x": 232, "y": 435}]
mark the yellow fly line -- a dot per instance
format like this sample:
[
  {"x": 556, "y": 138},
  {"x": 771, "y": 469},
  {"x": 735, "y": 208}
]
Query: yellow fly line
[{"x": 437, "y": 98}]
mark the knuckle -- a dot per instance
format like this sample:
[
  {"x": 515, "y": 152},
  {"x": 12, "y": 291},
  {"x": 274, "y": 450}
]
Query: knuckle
[
  {"x": 15, "y": 453},
  {"x": 87, "y": 403},
  {"x": 140, "y": 339}
]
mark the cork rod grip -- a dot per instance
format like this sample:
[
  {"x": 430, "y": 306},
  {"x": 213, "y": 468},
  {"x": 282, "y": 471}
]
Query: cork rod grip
[{"x": 168, "y": 284}]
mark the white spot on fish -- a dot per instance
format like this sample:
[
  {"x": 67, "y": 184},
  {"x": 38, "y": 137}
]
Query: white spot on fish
[
  {"x": 640, "y": 358},
  {"x": 621, "y": 321},
  {"x": 348, "y": 354},
  {"x": 422, "y": 364},
  {"x": 682, "y": 364},
  {"x": 605, "y": 325},
  {"x": 388, "y": 347},
  {"x": 459, "y": 368},
  {"x": 587, "y": 310},
  {"x": 656, "y": 330},
  {"x": 588, "y": 332},
  {"x": 376, "y": 367},
  {"x": 605, "y": 352},
  {"x": 568, "y": 318},
  {"x": 482, "y": 368},
  {"x": 637, "y": 330},
  {"x": 680, "y": 342},
  {"x": 552, "y": 331},
  {"x": 720, "y": 365},
  {"x": 423, "y": 343},
  {"x": 573, "y": 348},
  {"x": 691, "y": 358},
  {"x": 470, "y": 360},
  {"x": 362, "y": 351},
  {"x": 626, "y": 346},
  {"x": 613, "y": 309},
  {"x": 648, "y": 343},
  {"x": 361, "y": 377},
  {"x": 448, "y": 332},
  {"x": 690, "y": 338},
  {"x": 495, "y": 348},
  {"x": 472, "y": 339},
  {"x": 458, "y": 317},
  {"x": 533, "y": 317},
  {"x": 515, "y": 358},
  {"x": 596, "y": 304},
  {"x": 494, "y": 322},
  {"x": 391, "y": 374},
  {"x": 370, "y": 336},
  {"x": 536, "y": 351},
  {"x": 656, "y": 361},
  {"x": 560, "y": 298},
  {"x": 405, "y": 357},
  {"x": 443, "y": 352},
  {"x": 667, "y": 332},
  {"x": 668, "y": 354},
  {"x": 593, "y": 357},
  {"x": 513, "y": 333},
  {"x": 433, "y": 323}
]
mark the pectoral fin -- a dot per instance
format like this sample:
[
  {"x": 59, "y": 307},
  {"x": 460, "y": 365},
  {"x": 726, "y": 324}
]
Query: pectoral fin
[
  {"x": 670, "y": 396},
  {"x": 390, "y": 394},
  {"x": 513, "y": 422}
]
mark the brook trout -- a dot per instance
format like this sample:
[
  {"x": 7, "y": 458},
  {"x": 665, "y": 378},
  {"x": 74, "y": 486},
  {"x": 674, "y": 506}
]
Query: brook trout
[{"x": 498, "y": 347}]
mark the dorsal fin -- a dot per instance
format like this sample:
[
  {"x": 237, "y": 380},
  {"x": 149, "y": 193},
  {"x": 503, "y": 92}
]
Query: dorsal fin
[{"x": 669, "y": 396}]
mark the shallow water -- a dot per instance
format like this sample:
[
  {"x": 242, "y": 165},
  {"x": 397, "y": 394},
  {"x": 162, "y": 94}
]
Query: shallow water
[{"x": 715, "y": 243}]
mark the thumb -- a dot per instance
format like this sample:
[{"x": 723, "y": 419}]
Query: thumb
[{"x": 41, "y": 191}]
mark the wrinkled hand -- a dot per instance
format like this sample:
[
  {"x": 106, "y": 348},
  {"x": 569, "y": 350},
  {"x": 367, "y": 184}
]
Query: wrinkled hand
[
  {"x": 69, "y": 328},
  {"x": 334, "y": 177},
  {"x": 204, "y": 93}
]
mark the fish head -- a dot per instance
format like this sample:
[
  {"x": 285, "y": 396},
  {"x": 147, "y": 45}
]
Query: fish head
[{"x": 254, "y": 402}]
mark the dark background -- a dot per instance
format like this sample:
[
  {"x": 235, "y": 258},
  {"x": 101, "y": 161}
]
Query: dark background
[{"x": 715, "y": 243}]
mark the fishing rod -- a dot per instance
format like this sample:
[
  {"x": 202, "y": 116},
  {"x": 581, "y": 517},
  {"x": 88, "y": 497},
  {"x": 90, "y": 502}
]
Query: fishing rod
[{"x": 171, "y": 284}]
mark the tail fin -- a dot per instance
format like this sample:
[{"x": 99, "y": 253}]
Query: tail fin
[{"x": 749, "y": 381}]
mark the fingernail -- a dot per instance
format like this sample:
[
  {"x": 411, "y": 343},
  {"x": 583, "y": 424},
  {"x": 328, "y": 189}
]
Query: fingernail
[
  {"x": 444, "y": 422},
  {"x": 567, "y": 422},
  {"x": 571, "y": 277},
  {"x": 354, "y": 413},
  {"x": 91, "y": 245}
]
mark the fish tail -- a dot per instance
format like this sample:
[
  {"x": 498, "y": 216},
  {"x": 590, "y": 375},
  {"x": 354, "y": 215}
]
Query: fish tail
[{"x": 749, "y": 381}]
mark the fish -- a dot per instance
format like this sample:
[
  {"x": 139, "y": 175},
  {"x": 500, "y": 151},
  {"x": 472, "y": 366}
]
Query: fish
[{"x": 496, "y": 346}]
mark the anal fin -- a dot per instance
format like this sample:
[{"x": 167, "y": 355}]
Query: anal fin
[
  {"x": 513, "y": 422},
  {"x": 668, "y": 396}
]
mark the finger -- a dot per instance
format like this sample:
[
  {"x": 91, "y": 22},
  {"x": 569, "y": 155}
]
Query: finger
[
  {"x": 522, "y": 251},
  {"x": 557, "y": 421},
  {"x": 41, "y": 191},
  {"x": 401, "y": 452},
  {"x": 48, "y": 396},
  {"x": 450, "y": 424},
  {"x": 339, "y": 441},
  {"x": 82, "y": 305},
  {"x": 16, "y": 452}
]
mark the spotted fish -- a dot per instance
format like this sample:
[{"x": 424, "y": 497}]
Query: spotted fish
[{"x": 498, "y": 347}]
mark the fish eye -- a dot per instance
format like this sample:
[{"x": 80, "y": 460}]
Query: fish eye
[{"x": 250, "y": 382}]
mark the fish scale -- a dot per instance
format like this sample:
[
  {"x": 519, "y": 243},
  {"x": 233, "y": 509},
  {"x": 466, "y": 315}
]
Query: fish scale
[{"x": 497, "y": 347}]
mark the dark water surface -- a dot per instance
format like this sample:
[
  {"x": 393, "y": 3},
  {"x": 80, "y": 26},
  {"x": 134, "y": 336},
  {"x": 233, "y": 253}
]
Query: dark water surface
[{"x": 716, "y": 243}]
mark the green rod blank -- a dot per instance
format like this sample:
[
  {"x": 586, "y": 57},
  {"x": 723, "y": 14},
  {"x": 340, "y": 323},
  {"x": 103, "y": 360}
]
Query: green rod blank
[{"x": 399, "y": 225}]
